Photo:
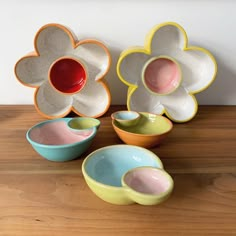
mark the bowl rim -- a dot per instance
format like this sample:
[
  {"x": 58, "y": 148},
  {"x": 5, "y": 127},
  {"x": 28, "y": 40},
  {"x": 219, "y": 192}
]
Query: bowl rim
[
  {"x": 91, "y": 136},
  {"x": 86, "y": 160},
  {"x": 123, "y": 130}
]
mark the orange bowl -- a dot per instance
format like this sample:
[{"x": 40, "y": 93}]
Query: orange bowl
[{"x": 150, "y": 130}]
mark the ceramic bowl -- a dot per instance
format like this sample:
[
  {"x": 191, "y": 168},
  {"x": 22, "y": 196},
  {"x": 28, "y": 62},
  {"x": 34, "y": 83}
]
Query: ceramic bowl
[
  {"x": 150, "y": 130},
  {"x": 68, "y": 75},
  {"x": 83, "y": 125},
  {"x": 126, "y": 118},
  {"x": 106, "y": 169},
  {"x": 54, "y": 141},
  {"x": 164, "y": 75},
  {"x": 147, "y": 185},
  {"x": 161, "y": 75}
]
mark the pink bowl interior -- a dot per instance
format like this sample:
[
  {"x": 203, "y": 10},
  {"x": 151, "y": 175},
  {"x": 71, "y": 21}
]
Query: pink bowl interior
[
  {"x": 55, "y": 133},
  {"x": 162, "y": 76},
  {"x": 147, "y": 180}
]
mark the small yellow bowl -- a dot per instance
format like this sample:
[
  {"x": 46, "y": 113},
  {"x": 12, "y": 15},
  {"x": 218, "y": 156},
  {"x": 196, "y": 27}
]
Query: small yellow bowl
[{"x": 149, "y": 131}]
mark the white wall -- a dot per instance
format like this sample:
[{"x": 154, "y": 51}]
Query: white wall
[{"x": 120, "y": 24}]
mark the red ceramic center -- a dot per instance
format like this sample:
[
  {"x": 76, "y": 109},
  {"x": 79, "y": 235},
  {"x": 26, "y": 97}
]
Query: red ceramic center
[
  {"x": 67, "y": 75},
  {"x": 162, "y": 76}
]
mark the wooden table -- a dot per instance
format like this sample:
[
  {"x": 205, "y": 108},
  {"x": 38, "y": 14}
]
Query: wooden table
[{"x": 38, "y": 197}]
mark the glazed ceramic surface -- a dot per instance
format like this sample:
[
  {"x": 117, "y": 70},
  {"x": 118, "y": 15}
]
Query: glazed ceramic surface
[
  {"x": 148, "y": 185},
  {"x": 103, "y": 170},
  {"x": 126, "y": 118},
  {"x": 54, "y": 141},
  {"x": 150, "y": 130},
  {"x": 83, "y": 125},
  {"x": 68, "y": 74},
  {"x": 166, "y": 86},
  {"x": 161, "y": 75}
]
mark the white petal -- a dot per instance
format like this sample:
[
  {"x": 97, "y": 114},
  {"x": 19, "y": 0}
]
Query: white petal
[
  {"x": 32, "y": 70},
  {"x": 197, "y": 64},
  {"x": 95, "y": 56},
  {"x": 51, "y": 103},
  {"x": 198, "y": 68},
  {"x": 166, "y": 38},
  {"x": 93, "y": 100},
  {"x": 130, "y": 66},
  {"x": 142, "y": 100},
  {"x": 54, "y": 41},
  {"x": 180, "y": 106}
]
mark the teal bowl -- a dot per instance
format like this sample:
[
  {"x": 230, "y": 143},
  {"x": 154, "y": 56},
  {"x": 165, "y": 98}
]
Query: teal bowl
[{"x": 54, "y": 141}]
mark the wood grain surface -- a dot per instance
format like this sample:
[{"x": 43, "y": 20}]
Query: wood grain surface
[{"x": 39, "y": 197}]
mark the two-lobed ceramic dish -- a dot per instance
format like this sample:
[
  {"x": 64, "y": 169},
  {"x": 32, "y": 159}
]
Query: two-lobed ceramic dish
[
  {"x": 126, "y": 174},
  {"x": 67, "y": 74},
  {"x": 142, "y": 129},
  {"x": 63, "y": 139},
  {"x": 164, "y": 75}
]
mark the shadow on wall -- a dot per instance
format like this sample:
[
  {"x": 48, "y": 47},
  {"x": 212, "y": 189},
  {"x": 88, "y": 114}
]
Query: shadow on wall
[
  {"x": 222, "y": 90},
  {"x": 118, "y": 89}
]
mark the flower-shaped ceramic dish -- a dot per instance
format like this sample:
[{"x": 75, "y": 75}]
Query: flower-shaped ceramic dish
[
  {"x": 149, "y": 131},
  {"x": 68, "y": 74},
  {"x": 164, "y": 75},
  {"x": 54, "y": 140},
  {"x": 113, "y": 173}
]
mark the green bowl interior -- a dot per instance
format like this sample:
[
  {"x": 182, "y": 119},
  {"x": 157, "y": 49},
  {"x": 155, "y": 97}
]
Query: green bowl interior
[
  {"x": 83, "y": 123},
  {"x": 148, "y": 124}
]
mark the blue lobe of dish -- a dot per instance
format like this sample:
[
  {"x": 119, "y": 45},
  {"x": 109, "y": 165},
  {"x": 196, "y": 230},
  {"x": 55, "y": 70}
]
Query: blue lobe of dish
[{"x": 109, "y": 166}]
